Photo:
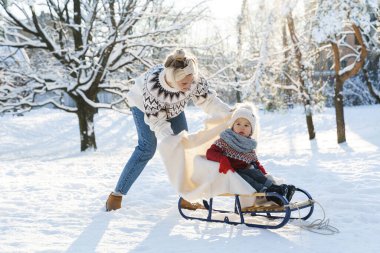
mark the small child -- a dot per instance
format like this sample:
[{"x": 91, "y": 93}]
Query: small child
[{"x": 235, "y": 151}]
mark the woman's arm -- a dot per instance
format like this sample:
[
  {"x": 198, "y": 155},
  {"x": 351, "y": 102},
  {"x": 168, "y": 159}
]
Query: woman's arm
[
  {"x": 156, "y": 116},
  {"x": 207, "y": 100},
  {"x": 159, "y": 125}
]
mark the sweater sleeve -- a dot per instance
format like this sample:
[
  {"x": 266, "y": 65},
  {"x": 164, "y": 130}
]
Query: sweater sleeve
[
  {"x": 207, "y": 100},
  {"x": 214, "y": 153},
  {"x": 156, "y": 116},
  {"x": 159, "y": 124}
]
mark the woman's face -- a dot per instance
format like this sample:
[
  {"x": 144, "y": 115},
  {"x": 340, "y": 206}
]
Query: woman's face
[
  {"x": 242, "y": 126},
  {"x": 185, "y": 83}
]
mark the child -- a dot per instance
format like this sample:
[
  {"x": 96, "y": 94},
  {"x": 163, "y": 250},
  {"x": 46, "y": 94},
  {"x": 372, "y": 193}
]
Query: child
[{"x": 235, "y": 151}]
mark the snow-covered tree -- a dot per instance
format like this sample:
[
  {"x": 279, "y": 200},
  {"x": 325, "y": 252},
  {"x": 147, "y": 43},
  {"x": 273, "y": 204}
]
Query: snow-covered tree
[
  {"x": 242, "y": 22},
  {"x": 264, "y": 75},
  {"x": 299, "y": 58},
  {"x": 372, "y": 65},
  {"x": 228, "y": 58},
  {"x": 335, "y": 20},
  {"x": 80, "y": 50}
]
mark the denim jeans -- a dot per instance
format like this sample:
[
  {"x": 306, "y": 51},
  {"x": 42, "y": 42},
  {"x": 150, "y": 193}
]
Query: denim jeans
[
  {"x": 255, "y": 178},
  {"x": 144, "y": 151}
]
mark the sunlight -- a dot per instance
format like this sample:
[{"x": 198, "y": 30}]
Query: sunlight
[{"x": 221, "y": 18}]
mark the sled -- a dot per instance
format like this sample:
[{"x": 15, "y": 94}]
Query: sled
[
  {"x": 267, "y": 215},
  {"x": 195, "y": 177}
]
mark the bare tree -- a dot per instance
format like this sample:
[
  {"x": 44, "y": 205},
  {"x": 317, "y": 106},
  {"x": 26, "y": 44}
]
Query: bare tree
[
  {"x": 242, "y": 22},
  {"x": 340, "y": 78},
  {"x": 351, "y": 17},
  {"x": 82, "y": 49},
  {"x": 303, "y": 79},
  {"x": 263, "y": 76}
]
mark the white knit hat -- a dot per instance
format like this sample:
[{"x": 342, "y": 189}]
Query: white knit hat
[{"x": 245, "y": 112}]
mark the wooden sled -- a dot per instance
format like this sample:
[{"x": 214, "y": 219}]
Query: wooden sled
[{"x": 269, "y": 215}]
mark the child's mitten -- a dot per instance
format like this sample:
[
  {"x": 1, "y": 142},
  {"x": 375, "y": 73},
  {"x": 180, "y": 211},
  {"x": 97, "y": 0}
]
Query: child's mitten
[{"x": 225, "y": 165}]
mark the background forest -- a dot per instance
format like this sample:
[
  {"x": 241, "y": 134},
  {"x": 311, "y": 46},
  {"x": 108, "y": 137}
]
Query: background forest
[{"x": 79, "y": 56}]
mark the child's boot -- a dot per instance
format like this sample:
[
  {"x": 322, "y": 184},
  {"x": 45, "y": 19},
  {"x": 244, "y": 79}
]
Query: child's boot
[
  {"x": 280, "y": 189},
  {"x": 291, "y": 191}
]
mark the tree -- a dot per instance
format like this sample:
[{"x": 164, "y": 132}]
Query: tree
[
  {"x": 304, "y": 81},
  {"x": 375, "y": 93},
  {"x": 334, "y": 20},
  {"x": 81, "y": 49},
  {"x": 264, "y": 75},
  {"x": 371, "y": 67},
  {"x": 241, "y": 23}
]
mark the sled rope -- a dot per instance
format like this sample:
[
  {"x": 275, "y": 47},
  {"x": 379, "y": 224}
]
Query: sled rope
[{"x": 318, "y": 226}]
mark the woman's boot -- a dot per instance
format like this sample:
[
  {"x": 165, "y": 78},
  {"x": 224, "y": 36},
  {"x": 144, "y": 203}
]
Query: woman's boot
[
  {"x": 190, "y": 206},
  {"x": 113, "y": 202}
]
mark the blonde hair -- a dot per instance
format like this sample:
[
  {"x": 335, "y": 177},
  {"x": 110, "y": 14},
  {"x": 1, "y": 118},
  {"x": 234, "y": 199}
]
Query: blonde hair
[{"x": 179, "y": 64}]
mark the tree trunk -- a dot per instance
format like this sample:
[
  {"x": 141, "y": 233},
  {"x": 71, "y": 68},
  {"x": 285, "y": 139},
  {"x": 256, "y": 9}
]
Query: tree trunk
[
  {"x": 341, "y": 78},
  {"x": 338, "y": 97},
  {"x": 285, "y": 68},
  {"x": 339, "y": 113},
  {"x": 241, "y": 23},
  {"x": 85, "y": 115},
  {"x": 238, "y": 95},
  {"x": 301, "y": 77},
  {"x": 310, "y": 126}
]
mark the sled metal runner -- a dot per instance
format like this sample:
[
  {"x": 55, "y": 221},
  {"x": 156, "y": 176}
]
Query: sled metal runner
[{"x": 272, "y": 213}]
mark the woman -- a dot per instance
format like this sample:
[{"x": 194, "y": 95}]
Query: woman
[{"x": 157, "y": 100}]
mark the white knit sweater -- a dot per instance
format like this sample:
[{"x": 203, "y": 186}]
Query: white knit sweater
[{"x": 153, "y": 96}]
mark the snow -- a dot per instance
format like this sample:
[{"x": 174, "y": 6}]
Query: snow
[
  {"x": 332, "y": 16},
  {"x": 53, "y": 196}
]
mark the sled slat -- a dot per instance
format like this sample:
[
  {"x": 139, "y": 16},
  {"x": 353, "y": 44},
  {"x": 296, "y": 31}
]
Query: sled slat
[
  {"x": 297, "y": 205},
  {"x": 256, "y": 194}
]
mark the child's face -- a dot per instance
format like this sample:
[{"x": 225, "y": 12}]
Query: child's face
[{"x": 242, "y": 126}]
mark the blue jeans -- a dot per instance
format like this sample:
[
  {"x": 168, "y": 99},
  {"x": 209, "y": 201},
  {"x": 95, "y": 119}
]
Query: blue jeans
[
  {"x": 255, "y": 178},
  {"x": 144, "y": 151}
]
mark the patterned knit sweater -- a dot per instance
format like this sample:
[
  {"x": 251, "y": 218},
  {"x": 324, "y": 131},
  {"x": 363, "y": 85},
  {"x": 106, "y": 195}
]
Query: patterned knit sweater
[
  {"x": 160, "y": 102},
  {"x": 237, "y": 159}
]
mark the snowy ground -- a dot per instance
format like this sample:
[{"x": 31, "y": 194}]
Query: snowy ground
[{"x": 52, "y": 196}]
